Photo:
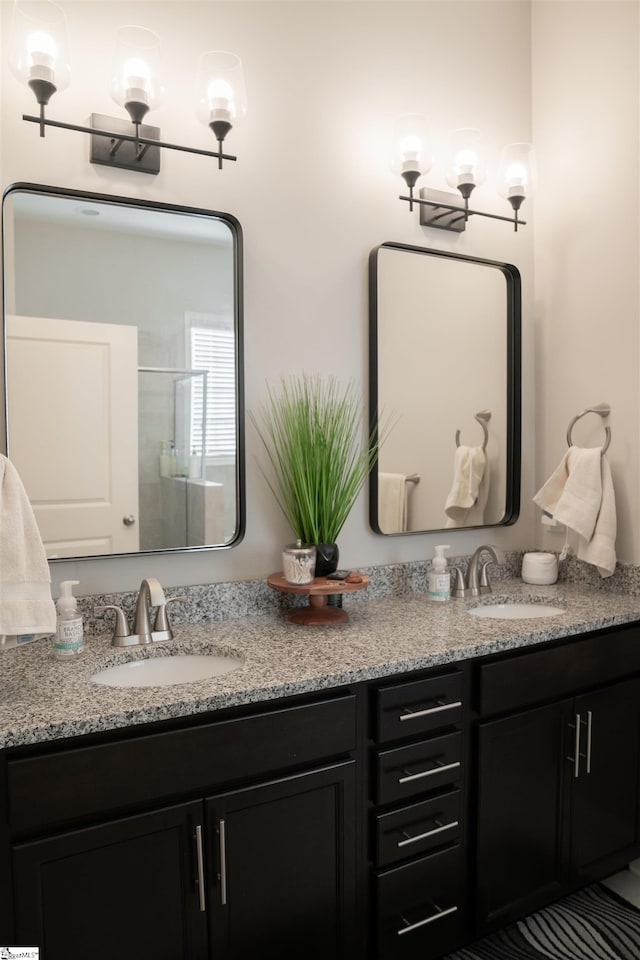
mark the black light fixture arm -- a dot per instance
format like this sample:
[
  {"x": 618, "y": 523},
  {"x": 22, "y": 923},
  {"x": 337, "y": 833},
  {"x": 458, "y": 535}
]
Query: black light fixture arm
[
  {"x": 121, "y": 137},
  {"x": 464, "y": 211}
]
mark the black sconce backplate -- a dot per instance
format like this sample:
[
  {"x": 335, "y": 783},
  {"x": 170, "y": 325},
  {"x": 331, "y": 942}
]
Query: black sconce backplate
[{"x": 126, "y": 154}]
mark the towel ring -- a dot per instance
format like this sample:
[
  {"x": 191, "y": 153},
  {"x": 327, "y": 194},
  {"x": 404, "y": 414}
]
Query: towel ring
[
  {"x": 603, "y": 410},
  {"x": 483, "y": 417}
]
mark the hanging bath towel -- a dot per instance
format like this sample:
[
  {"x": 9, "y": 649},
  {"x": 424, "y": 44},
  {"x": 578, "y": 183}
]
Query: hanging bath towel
[
  {"x": 470, "y": 488},
  {"x": 392, "y": 502},
  {"x": 26, "y": 606},
  {"x": 579, "y": 494}
]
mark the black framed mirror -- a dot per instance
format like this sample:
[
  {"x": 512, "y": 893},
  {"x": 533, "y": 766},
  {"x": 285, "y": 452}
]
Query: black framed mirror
[
  {"x": 124, "y": 371},
  {"x": 445, "y": 370}
]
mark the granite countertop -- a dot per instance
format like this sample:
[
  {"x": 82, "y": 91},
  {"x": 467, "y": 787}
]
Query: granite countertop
[{"x": 42, "y": 699}]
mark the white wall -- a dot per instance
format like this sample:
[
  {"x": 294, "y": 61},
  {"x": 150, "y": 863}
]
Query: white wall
[
  {"x": 312, "y": 191},
  {"x": 586, "y": 103}
]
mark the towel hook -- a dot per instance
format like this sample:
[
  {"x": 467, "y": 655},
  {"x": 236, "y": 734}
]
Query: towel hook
[
  {"x": 603, "y": 410},
  {"x": 483, "y": 417}
]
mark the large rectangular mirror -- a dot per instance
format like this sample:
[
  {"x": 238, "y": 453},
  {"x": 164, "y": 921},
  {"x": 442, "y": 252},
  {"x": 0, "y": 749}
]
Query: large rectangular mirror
[
  {"x": 123, "y": 348},
  {"x": 445, "y": 370}
]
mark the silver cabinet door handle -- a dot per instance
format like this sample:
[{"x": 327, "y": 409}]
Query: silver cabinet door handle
[
  {"x": 575, "y": 759},
  {"x": 129, "y": 520},
  {"x": 429, "y": 773},
  {"x": 422, "y": 923},
  {"x": 200, "y": 858},
  {"x": 223, "y": 862},
  {"x": 589, "y": 725},
  {"x": 430, "y": 710},
  {"x": 429, "y": 833}
]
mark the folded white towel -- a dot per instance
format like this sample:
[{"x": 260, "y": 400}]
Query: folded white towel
[
  {"x": 579, "y": 494},
  {"x": 26, "y": 605},
  {"x": 392, "y": 502},
  {"x": 470, "y": 488}
]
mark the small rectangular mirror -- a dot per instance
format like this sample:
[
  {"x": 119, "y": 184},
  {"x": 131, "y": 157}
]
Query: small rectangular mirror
[
  {"x": 444, "y": 368},
  {"x": 123, "y": 348}
]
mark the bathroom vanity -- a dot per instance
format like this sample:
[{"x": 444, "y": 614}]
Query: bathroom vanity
[{"x": 391, "y": 789}]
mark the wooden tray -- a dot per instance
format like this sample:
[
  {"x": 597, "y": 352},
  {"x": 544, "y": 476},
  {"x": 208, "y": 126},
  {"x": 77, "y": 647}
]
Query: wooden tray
[{"x": 318, "y": 612}]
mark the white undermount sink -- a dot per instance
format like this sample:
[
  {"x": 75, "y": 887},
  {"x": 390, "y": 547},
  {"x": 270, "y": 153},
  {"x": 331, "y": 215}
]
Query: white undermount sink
[
  {"x": 166, "y": 671},
  {"x": 516, "y": 611}
]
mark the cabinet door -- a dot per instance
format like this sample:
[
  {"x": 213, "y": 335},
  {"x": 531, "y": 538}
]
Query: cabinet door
[
  {"x": 605, "y": 792},
  {"x": 125, "y": 889},
  {"x": 524, "y": 766},
  {"x": 283, "y": 877}
]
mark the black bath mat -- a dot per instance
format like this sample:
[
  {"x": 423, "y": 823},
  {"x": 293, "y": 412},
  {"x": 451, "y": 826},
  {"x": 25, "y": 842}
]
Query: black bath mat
[{"x": 593, "y": 924}]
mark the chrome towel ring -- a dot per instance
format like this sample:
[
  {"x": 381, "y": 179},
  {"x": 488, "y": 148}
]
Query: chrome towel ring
[
  {"x": 483, "y": 417},
  {"x": 603, "y": 410}
]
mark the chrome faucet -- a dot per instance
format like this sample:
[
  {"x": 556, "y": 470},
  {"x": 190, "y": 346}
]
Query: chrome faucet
[
  {"x": 150, "y": 595},
  {"x": 477, "y": 580}
]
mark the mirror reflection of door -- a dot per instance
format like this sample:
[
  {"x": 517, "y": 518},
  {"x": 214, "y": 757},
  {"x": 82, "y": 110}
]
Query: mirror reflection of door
[
  {"x": 444, "y": 369},
  {"x": 72, "y": 397},
  {"x": 168, "y": 275}
]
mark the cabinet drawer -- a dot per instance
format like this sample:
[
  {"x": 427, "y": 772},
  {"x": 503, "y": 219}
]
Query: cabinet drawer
[
  {"x": 418, "y": 828},
  {"x": 535, "y": 676},
  {"x": 405, "y": 709},
  {"x": 421, "y": 907},
  {"x": 419, "y": 767},
  {"x": 99, "y": 780}
]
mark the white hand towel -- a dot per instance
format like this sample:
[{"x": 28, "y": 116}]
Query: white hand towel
[
  {"x": 579, "y": 494},
  {"x": 470, "y": 488},
  {"x": 392, "y": 502},
  {"x": 26, "y": 605}
]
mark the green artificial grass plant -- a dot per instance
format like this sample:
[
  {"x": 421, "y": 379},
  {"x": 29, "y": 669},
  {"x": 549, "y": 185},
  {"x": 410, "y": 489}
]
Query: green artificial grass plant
[{"x": 311, "y": 432}]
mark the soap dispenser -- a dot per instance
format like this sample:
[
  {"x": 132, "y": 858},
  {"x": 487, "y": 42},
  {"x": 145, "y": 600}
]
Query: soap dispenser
[
  {"x": 439, "y": 581},
  {"x": 69, "y": 639}
]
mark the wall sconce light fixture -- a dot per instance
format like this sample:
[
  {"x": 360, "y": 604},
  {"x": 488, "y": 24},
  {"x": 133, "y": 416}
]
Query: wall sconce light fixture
[
  {"x": 465, "y": 170},
  {"x": 39, "y": 57}
]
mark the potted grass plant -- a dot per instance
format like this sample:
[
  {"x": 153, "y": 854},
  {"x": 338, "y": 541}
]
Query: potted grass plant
[{"x": 311, "y": 431}]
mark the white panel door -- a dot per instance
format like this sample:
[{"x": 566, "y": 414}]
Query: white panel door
[{"x": 72, "y": 390}]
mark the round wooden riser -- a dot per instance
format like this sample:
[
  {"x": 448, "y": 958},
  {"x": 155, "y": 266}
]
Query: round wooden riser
[{"x": 318, "y": 612}]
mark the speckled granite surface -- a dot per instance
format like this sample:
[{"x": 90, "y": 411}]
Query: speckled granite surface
[{"x": 42, "y": 699}]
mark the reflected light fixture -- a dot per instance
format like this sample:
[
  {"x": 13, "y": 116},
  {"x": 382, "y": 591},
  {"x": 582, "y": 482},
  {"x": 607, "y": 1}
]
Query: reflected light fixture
[
  {"x": 465, "y": 170},
  {"x": 39, "y": 58}
]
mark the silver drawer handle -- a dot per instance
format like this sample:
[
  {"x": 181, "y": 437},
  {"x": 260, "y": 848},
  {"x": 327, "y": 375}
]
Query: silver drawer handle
[
  {"x": 426, "y": 713},
  {"x": 429, "y": 833},
  {"x": 200, "y": 859},
  {"x": 421, "y": 923},
  {"x": 429, "y": 773}
]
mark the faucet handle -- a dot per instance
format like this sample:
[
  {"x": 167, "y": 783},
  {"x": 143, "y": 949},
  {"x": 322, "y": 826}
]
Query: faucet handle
[
  {"x": 457, "y": 586},
  {"x": 121, "y": 627},
  {"x": 163, "y": 624}
]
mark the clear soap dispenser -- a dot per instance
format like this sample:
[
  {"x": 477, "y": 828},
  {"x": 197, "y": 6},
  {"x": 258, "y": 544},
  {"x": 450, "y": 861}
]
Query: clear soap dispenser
[
  {"x": 439, "y": 582},
  {"x": 69, "y": 639}
]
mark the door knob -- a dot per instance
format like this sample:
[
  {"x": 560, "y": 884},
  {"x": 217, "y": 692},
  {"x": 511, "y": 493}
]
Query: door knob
[{"x": 129, "y": 520}]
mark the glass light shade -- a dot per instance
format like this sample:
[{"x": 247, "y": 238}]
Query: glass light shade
[
  {"x": 221, "y": 94},
  {"x": 410, "y": 150},
  {"x": 39, "y": 49},
  {"x": 136, "y": 78},
  {"x": 465, "y": 164},
  {"x": 517, "y": 173}
]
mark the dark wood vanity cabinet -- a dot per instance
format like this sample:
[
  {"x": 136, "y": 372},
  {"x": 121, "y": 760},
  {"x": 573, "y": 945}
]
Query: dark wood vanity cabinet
[
  {"x": 558, "y": 800},
  {"x": 397, "y": 819},
  {"x": 268, "y": 868}
]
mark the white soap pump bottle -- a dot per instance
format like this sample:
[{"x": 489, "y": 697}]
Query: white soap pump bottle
[
  {"x": 439, "y": 581},
  {"x": 69, "y": 639}
]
